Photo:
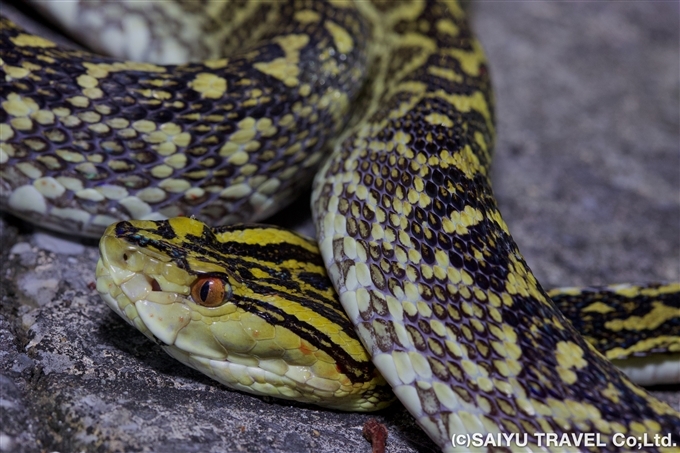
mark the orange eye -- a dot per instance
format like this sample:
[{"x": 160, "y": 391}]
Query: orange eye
[{"x": 210, "y": 291}]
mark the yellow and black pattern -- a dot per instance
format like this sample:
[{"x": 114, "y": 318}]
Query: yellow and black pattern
[
  {"x": 624, "y": 321},
  {"x": 277, "y": 327},
  {"x": 428, "y": 272},
  {"x": 89, "y": 140},
  {"x": 408, "y": 226}
]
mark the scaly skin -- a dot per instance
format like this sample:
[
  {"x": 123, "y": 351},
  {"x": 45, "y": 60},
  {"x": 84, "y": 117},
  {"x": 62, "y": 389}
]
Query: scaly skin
[
  {"x": 430, "y": 276},
  {"x": 409, "y": 228},
  {"x": 90, "y": 140}
]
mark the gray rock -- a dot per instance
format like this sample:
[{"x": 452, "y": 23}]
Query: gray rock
[{"x": 586, "y": 173}]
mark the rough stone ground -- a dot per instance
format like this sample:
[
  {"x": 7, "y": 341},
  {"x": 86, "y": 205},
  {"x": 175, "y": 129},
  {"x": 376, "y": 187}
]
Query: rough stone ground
[{"x": 588, "y": 177}]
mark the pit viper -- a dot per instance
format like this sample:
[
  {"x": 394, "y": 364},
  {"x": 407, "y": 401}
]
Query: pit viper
[{"x": 408, "y": 228}]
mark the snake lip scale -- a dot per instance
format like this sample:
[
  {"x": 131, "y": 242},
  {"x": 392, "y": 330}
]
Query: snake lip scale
[{"x": 408, "y": 228}]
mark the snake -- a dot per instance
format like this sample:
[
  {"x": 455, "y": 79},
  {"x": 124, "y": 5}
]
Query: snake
[{"x": 438, "y": 304}]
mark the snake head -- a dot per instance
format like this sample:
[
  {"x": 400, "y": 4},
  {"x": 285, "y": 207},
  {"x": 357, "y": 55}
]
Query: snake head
[{"x": 249, "y": 305}]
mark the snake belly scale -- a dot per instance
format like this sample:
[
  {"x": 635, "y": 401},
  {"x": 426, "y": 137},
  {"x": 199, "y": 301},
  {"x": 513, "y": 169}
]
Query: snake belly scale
[{"x": 408, "y": 227}]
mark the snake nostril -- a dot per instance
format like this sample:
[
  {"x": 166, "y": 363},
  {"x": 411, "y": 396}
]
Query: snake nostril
[
  {"x": 154, "y": 285},
  {"x": 125, "y": 257}
]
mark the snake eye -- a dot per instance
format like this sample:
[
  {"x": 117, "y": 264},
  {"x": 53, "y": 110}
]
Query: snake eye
[{"x": 210, "y": 291}]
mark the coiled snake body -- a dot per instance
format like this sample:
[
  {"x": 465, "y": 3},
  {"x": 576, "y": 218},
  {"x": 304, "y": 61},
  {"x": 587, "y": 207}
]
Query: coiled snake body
[{"x": 408, "y": 227}]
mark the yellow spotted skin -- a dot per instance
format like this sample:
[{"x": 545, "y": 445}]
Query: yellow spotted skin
[
  {"x": 408, "y": 226},
  {"x": 428, "y": 272},
  {"x": 280, "y": 331},
  {"x": 634, "y": 326},
  {"x": 624, "y": 321},
  {"x": 90, "y": 140}
]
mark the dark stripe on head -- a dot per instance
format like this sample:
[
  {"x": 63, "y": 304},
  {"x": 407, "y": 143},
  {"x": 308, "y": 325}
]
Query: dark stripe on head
[{"x": 355, "y": 370}]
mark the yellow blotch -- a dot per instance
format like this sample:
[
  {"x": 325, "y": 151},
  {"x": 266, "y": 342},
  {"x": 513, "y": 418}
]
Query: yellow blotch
[
  {"x": 182, "y": 139},
  {"x": 118, "y": 123},
  {"x": 471, "y": 368},
  {"x": 136, "y": 66},
  {"x": 14, "y": 72},
  {"x": 266, "y": 127},
  {"x": 26, "y": 40},
  {"x": 343, "y": 41},
  {"x": 286, "y": 68},
  {"x": 657, "y": 316},
  {"x": 569, "y": 355},
  {"x": 93, "y": 93},
  {"x": 416, "y": 91},
  {"x": 446, "y": 26},
  {"x": 97, "y": 70},
  {"x": 100, "y": 70},
  {"x": 494, "y": 299},
  {"x": 79, "y": 101},
  {"x": 305, "y": 90},
  {"x": 581, "y": 411},
  {"x": 652, "y": 426},
  {"x": 238, "y": 158},
  {"x": 247, "y": 131},
  {"x": 668, "y": 342},
  {"x": 145, "y": 126},
  {"x": 571, "y": 291},
  {"x": 31, "y": 66},
  {"x": 510, "y": 334},
  {"x": 155, "y": 94},
  {"x": 209, "y": 85},
  {"x": 171, "y": 128},
  {"x": 481, "y": 141},
  {"x": 186, "y": 225},
  {"x": 514, "y": 285},
  {"x": 445, "y": 73},
  {"x": 627, "y": 290},
  {"x": 70, "y": 156},
  {"x": 612, "y": 393},
  {"x": 464, "y": 103},
  {"x": 87, "y": 81},
  {"x": 413, "y": 196},
  {"x": 459, "y": 221},
  {"x": 469, "y": 61},
  {"x": 6, "y": 133},
  {"x": 437, "y": 119},
  {"x": 217, "y": 64},
  {"x": 498, "y": 220},
  {"x": 176, "y": 161},
  {"x": 467, "y": 162},
  {"x": 402, "y": 137},
  {"x": 17, "y": 105},
  {"x": 247, "y": 123},
  {"x": 599, "y": 307},
  {"x": 567, "y": 376},
  {"x": 654, "y": 292},
  {"x": 306, "y": 16},
  {"x": 162, "y": 171}
]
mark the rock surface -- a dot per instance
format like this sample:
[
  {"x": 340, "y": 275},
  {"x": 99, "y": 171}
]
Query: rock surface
[{"x": 587, "y": 177}]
